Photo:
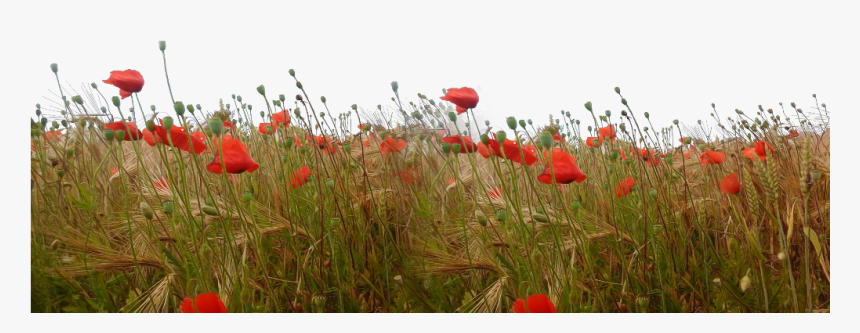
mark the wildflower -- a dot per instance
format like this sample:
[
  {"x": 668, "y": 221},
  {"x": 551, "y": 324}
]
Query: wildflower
[
  {"x": 512, "y": 151},
  {"x": 266, "y": 128},
  {"x": 179, "y": 139},
  {"x": 114, "y": 170},
  {"x": 730, "y": 184},
  {"x": 128, "y": 81},
  {"x": 712, "y": 157},
  {"x": 607, "y": 132},
  {"x": 495, "y": 193},
  {"x": 236, "y": 158},
  {"x": 52, "y": 135},
  {"x": 464, "y": 98},
  {"x": 465, "y": 142},
  {"x": 300, "y": 177},
  {"x": 228, "y": 124},
  {"x": 539, "y": 303},
  {"x": 149, "y": 138},
  {"x": 624, "y": 187},
  {"x": 324, "y": 143},
  {"x": 206, "y": 303},
  {"x": 623, "y": 155},
  {"x": 760, "y": 149},
  {"x": 389, "y": 145},
  {"x": 557, "y": 138},
  {"x": 483, "y": 150},
  {"x": 161, "y": 184},
  {"x": 563, "y": 167},
  {"x": 451, "y": 181},
  {"x": 792, "y": 134},
  {"x": 407, "y": 175},
  {"x": 298, "y": 142},
  {"x": 281, "y": 117},
  {"x": 589, "y": 141},
  {"x": 650, "y": 158},
  {"x": 131, "y": 131}
]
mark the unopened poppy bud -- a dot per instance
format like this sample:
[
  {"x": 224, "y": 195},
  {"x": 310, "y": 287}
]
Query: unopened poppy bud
[
  {"x": 824, "y": 105},
  {"x": 65, "y": 123},
  {"x": 150, "y": 125},
  {"x": 261, "y": 89},
  {"x": 207, "y": 132},
  {"x": 512, "y": 123},
  {"x": 485, "y": 139},
  {"x": 115, "y": 101},
  {"x": 120, "y": 135},
  {"x": 162, "y": 45},
  {"x": 77, "y": 99},
  {"x": 608, "y": 113},
  {"x": 538, "y": 145},
  {"x": 614, "y": 155},
  {"x": 54, "y": 68},
  {"x": 146, "y": 210},
  {"x": 588, "y": 106},
  {"x": 167, "y": 207},
  {"x": 623, "y": 127},
  {"x": 501, "y": 215},
  {"x": 546, "y": 139},
  {"x": 617, "y": 90},
  {"x": 501, "y": 136},
  {"x": 167, "y": 123},
  {"x": 179, "y": 107},
  {"x": 383, "y": 134},
  {"x": 669, "y": 159},
  {"x": 456, "y": 148},
  {"x": 61, "y": 173},
  {"x": 675, "y": 121},
  {"x": 209, "y": 210},
  {"x": 216, "y": 126},
  {"x": 109, "y": 135},
  {"x": 190, "y": 108},
  {"x": 446, "y": 147},
  {"x": 35, "y": 132},
  {"x": 746, "y": 283},
  {"x": 329, "y": 183},
  {"x": 452, "y": 116},
  {"x": 540, "y": 218},
  {"x": 262, "y": 114},
  {"x": 623, "y": 101},
  {"x": 482, "y": 219},
  {"x": 55, "y": 124},
  {"x": 687, "y": 141},
  {"x": 652, "y": 192},
  {"x": 793, "y": 105},
  {"x": 576, "y": 205}
]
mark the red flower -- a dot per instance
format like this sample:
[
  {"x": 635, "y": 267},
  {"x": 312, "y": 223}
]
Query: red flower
[
  {"x": 451, "y": 181},
  {"x": 512, "y": 152},
  {"x": 589, "y": 141},
  {"x": 792, "y": 134},
  {"x": 52, "y": 135},
  {"x": 759, "y": 149},
  {"x": 750, "y": 154},
  {"x": 162, "y": 183},
  {"x": 131, "y": 131},
  {"x": 466, "y": 142},
  {"x": 608, "y": 131},
  {"x": 465, "y": 98},
  {"x": 228, "y": 124},
  {"x": 198, "y": 135},
  {"x": 712, "y": 157},
  {"x": 179, "y": 139},
  {"x": 300, "y": 177},
  {"x": 298, "y": 142},
  {"x": 730, "y": 184},
  {"x": 407, "y": 175},
  {"x": 323, "y": 143},
  {"x": 536, "y": 304},
  {"x": 281, "y": 117},
  {"x": 149, "y": 138},
  {"x": 558, "y": 138},
  {"x": 461, "y": 109},
  {"x": 206, "y": 303},
  {"x": 128, "y": 81},
  {"x": 681, "y": 140},
  {"x": 391, "y": 146},
  {"x": 563, "y": 167},
  {"x": 495, "y": 193},
  {"x": 623, "y": 156},
  {"x": 267, "y": 128},
  {"x": 624, "y": 187},
  {"x": 236, "y": 157},
  {"x": 482, "y": 149},
  {"x": 649, "y": 158}
]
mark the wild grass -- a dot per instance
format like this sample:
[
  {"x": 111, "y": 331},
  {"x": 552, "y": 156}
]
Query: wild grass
[{"x": 387, "y": 232}]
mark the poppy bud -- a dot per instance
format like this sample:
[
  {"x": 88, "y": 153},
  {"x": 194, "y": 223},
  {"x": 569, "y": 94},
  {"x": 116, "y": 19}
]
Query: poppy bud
[
  {"x": 745, "y": 283},
  {"x": 614, "y": 155},
  {"x": 675, "y": 121},
  {"x": 55, "y": 124},
  {"x": 179, "y": 108},
  {"x": 262, "y": 90},
  {"x": 198, "y": 108},
  {"x": 501, "y": 215},
  {"x": 162, "y": 45},
  {"x": 115, "y": 101},
  {"x": 167, "y": 123},
  {"x": 576, "y": 205},
  {"x": 394, "y": 86},
  {"x": 262, "y": 114},
  {"x": 109, "y": 135},
  {"x": 624, "y": 101},
  {"x": 120, "y": 135},
  {"x": 150, "y": 126},
  {"x": 216, "y": 126},
  {"x": 167, "y": 207},
  {"x": 280, "y": 176},
  {"x": 329, "y": 183},
  {"x": 608, "y": 113},
  {"x": 485, "y": 139},
  {"x": 546, "y": 139},
  {"x": 623, "y": 127},
  {"x": 652, "y": 192},
  {"x": 61, "y": 173},
  {"x": 482, "y": 219},
  {"x": 452, "y": 116},
  {"x": 512, "y": 123},
  {"x": 77, "y": 99},
  {"x": 65, "y": 123},
  {"x": 146, "y": 210},
  {"x": 209, "y": 210},
  {"x": 35, "y": 132},
  {"x": 669, "y": 159},
  {"x": 446, "y": 147},
  {"x": 540, "y": 218},
  {"x": 501, "y": 136},
  {"x": 54, "y": 68},
  {"x": 319, "y": 301},
  {"x": 588, "y": 106},
  {"x": 793, "y": 105},
  {"x": 456, "y": 148}
]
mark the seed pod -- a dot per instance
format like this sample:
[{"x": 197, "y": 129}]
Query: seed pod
[
  {"x": 246, "y": 197},
  {"x": 501, "y": 215},
  {"x": 652, "y": 192},
  {"x": 540, "y": 218},
  {"x": 482, "y": 219},
  {"x": 146, "y": 210},
  {"x": 167, "y": 207},
  {"x": 329, "y": 183},
  {"x": 209, "y": 210}
]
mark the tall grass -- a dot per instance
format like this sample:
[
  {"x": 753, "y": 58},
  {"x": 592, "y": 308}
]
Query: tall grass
[{"x": 387, "y": 232}]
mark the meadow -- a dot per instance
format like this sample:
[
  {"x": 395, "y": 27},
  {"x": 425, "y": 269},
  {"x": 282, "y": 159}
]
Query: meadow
[{"x": 293, "y": 207}]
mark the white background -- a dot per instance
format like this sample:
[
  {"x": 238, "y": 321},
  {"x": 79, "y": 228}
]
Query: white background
[{"x": 526, "y": 59}]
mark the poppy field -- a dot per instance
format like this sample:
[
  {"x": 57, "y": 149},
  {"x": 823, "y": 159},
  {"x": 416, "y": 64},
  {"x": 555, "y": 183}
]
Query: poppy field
[{"x": 287, "y": 205}]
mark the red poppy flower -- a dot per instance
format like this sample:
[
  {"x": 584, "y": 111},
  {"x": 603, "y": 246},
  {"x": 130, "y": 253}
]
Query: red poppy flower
[
  {"x": 495, "y": 193},
  {"x": 236, "y": 157},
  {"x": 149, "y": 138},
  {"x": 114, "y": 170},
  {"x": 280, "y": 117},
  {"x": 712, "y": 157},
  {"x": 792, "y": 134},
  {"x": 179, "y": 139},
  {"x": 730, "y": 184},
  {"x": 407, "y": 175},
  {"x": 323, "y": 143},
  {"x": 624, "y": 187},
  {"x": 465, "y": 98},
  {"x": 128, "y": 81},
  {"x": 206, "y": 303},
  {"x": 687, "y": 155},
  {"x": 750, "y": 154},
  {"x": 607, "y": 132},
  {"x": 650, "y": 158},
  {"x": 558, "y": 138},
  {"x": 266, "y": 128},
  {"x": 530, "y": 149},
  {"x": 391, "y": 146},
  {"x": 623, "y": 155},
  {"x": 461, "y": 110},
  {"x": 131, "y": 131},
  {"x": 162, "y": 183},
  {"x": 512, "y": 152},
  {"x": 563, "y": 167},
  {"x": 539, "y": 303},
  {"x": 228, "y": 124},
  {"x": 589, "y": 141},
  {"x": 298, "y": 142},
  {"x": 300, "y": 177},
  {"x": 52, "y": 135},
  {"x": 466, "y": 142},
  {"x": 482, "y": 149},
  {"x": 681, "y": 140},
  {"x": 759, "y": 149},
  {"x": 451, "y": 181}
]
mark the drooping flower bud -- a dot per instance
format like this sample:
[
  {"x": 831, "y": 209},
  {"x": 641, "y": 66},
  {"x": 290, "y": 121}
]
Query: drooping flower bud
[
  {"x": 54, "y": 68},
  {"x": 452, "y": 116},
  {"x": 261, "y": 89},
  {"x": 588, "y": 106},
  {"x": 292, "y": 72}
]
